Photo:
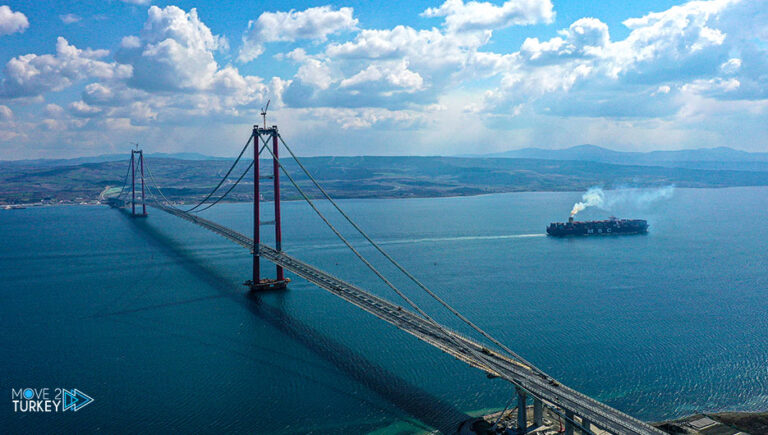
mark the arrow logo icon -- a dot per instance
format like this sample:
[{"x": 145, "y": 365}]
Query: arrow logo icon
[{"x": 74, "y": 399}]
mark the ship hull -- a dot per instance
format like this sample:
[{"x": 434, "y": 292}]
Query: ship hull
[{"x": 612, "y": 227}]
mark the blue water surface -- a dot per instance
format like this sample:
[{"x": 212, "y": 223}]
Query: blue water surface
[{"x": 150, "y": 318}]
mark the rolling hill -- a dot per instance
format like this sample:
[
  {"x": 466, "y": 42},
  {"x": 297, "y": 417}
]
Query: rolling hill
[{"x": 362, "y": 177}]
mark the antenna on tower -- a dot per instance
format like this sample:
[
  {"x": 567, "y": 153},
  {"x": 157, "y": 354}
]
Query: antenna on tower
[
  {"x": 264, "y": 113},
  {"x": 136, "y": 144}
]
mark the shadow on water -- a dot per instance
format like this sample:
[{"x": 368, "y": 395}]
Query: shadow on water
[{"x": 409, "y": 398}]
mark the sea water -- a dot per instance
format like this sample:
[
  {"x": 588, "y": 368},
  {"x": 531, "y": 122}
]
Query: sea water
[{"x": 149, "y": 317}]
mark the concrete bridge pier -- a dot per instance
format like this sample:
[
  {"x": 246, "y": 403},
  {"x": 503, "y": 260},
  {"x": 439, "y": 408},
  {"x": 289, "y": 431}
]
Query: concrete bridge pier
[
  {"x": 538, "y": 413},
  {"x": 587, "y": 426},
  {"x": 522, "y": 423},
  {"x": 569, "y": 422}
]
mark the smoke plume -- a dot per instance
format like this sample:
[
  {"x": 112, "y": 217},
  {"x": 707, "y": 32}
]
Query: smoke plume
[
  {"x": 595, "y": 197},
  {"x": 639, "y": 198}
]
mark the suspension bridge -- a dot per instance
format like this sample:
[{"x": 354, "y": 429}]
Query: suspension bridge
[{"x": 580, "y": 412}]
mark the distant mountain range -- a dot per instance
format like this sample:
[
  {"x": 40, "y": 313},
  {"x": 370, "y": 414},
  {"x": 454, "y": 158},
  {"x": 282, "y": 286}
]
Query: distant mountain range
[{"x": 701, "y": 158}]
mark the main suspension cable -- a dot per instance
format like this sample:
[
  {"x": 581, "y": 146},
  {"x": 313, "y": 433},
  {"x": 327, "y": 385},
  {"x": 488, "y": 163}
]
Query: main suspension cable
[
  {"x": 225, "y": 175},
  {"x": 170, "y": 204},
  {"x": 449, "y": 335},
  {"x": 344, "y": 240},
  {"x": 157, "y": 187},
  {"x": 231, "y": 187},
  {"x": 125, "y": 180},
  {"x": 400, "y": 267},
  {"x": 480, "y": 358},
  {"x": 453, "y": 337}
]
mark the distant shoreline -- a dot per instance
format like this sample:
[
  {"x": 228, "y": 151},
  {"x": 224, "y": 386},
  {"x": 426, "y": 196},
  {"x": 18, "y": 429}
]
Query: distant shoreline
[{"x": 246, "y": 201}]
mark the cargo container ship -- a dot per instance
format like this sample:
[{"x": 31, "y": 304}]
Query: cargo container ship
[{"x": 610, "y": 227}]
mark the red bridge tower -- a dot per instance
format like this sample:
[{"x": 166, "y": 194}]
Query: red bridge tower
[
  {"x": 257, "y": 282},
  {"x": 140, "y": 159}
]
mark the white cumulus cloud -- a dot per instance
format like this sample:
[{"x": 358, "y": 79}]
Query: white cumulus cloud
[
  {"x": 388, "y": 68},
  {"x": 176, "y": 77},
  {"x": 585, "y": 37},
  {"x": 315, "y": 72},
  {"x": 83, "y": 110},
  {"x": 387, "y": 77},
  {"x": 31, "y": 74},
  {"x": 70, "y": 18},
  {"x": 313, "y": 24},
  {"x": 691, "y": 74},
  {"x": 174, "y": 51},
  {"x": 677, "y": 38},
  {"x": 12, "y": 22},
  {"x": 731, "y": 66},
  {"x": 474, "y": 15},
  {"x": 6, "y": 114},
  {"x": 582, "y": 70}
]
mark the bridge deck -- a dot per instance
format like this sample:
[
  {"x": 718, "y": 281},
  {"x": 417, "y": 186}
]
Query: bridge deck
[{"x": 529, "y": 378}]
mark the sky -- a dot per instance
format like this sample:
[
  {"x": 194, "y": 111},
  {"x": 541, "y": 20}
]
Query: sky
[{"x": 381, "y": 78}]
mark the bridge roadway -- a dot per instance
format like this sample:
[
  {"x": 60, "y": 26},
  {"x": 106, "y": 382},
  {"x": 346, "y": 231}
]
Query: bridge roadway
[{"x": 530, "y": 379}]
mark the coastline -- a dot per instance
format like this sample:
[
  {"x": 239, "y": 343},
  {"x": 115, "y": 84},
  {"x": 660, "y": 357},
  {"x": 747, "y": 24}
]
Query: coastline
[
  {"x": 96, "y": 202},
  {"x": 727, "y": 422},
  {"x": 705, "y": 423}
]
